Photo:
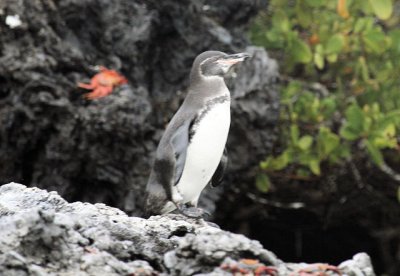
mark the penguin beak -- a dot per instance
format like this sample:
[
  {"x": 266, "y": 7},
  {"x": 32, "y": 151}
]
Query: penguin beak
[{"x": 233, "y": 59}]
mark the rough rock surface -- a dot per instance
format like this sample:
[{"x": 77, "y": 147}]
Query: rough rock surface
[
  {"x": 101, "y": 150},
  {"x": 42, "y": 234}
]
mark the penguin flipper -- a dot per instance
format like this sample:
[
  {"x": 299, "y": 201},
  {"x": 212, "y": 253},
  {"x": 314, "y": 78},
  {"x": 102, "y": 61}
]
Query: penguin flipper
[
  {"x": 180, "y": 143},
  {"x": 220, "y": 171}
]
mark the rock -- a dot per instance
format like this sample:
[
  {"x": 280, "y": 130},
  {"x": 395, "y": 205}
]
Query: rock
[
  {"x": 42, "y": 234},
  {"x": 359, "y": 265}
]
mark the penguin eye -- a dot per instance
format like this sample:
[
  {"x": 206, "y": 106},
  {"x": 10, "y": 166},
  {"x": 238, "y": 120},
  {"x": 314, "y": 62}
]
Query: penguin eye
[
  {"x": 212, "y": 66},
  {"x": 212, "y": 60},
  {"x": 216, "y": 58}
]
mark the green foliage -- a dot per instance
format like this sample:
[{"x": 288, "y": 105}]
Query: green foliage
[
  {"x": 382, "y": 8},
  {"x": 263, "y": 183},
  {"x": 352, "y": 47}
]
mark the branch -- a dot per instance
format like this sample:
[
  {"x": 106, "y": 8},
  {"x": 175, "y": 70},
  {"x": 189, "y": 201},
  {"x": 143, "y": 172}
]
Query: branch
[{"x": 390, "y": 172}]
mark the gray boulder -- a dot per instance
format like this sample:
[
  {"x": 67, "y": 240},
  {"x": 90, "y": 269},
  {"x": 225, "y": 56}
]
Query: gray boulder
[{"x": 42, "y": 234}]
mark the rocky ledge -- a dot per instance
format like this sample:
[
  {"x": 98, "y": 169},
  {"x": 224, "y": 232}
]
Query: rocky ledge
[{"x": 42, "y": 234}]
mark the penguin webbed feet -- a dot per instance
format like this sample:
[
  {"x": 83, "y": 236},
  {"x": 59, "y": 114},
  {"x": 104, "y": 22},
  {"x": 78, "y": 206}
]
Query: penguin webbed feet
[{"x": 191, "y": 211}]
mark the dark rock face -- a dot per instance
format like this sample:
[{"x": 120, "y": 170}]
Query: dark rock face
[
  {"x": 42, "y": 234},
  {"x": 101, "y": 151}
]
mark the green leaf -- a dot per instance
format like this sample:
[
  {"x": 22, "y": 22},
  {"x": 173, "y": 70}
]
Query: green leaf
[
  {"x": 385, "y": 137},
  {"x": 328, "y": 106},
  {"x": 332, "y": 58},
  {"x": 362, "y": 65},
  {"x": 315, "y": 3},
  {"x": 281, "y": 161},
  {"x": 360, "y": 24},
  {"x": 367, "y": 125},
  {"x": 382, "y": 8},
  {"x": 304, "y": 157},
  {"x": 375, "y": 40},
  {"x": 389, "y": 131},
  {"x": 305, "y": 142},
  {"x": 294, "y": 134},
  {"x": 274, "y": 39},
  {"x": 314, "y": 166},
  {"x": 340, "y": 153},
  {"x": 392, "y": 117},
  {"x": 383, "y": 142},
  {"x": 335, "y": 44},
  {"x": 354, "y": 126},
  {"x": 347, "y": 133},
  {"x": 281, "y": 21},
  {"x": 313, "y": 108},
  {"x": 365, "y": 8},
  {"x": 263, "y": 183},
  {"x": 326, "y": 141},
  {"x": 300, "y": 51},
  {"x": 355, "y": 117},
  {"x": 265, "y": 165},
  {"x": 302, "y": 14},
  {"x": 374, "y": 152},
  {"x": 395, "y": 38},
  {"x": 319, "y": 60}
]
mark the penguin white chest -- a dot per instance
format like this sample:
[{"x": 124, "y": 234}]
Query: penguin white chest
[{"x": 204, "y": 151}]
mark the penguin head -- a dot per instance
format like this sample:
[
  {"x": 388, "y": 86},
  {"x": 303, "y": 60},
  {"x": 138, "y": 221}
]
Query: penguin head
[{"x": 215, "y": 64}]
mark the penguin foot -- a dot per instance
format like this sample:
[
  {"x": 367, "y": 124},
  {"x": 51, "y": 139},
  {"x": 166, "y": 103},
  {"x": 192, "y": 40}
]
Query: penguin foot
[{"x": 192, "y": 212}]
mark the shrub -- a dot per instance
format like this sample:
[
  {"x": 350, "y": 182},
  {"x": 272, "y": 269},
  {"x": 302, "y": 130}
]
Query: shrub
[{"x": 341, "y": 94}]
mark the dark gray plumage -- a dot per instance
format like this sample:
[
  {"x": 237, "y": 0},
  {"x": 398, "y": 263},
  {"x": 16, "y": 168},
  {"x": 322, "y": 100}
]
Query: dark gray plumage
[{"x": 190, "y": 153}]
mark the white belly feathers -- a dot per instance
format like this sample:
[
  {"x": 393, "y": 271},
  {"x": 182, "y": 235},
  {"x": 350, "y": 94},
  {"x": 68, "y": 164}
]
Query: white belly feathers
[{"x": 204, "y": 152}]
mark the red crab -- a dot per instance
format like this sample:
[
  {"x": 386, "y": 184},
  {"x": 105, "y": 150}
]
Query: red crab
[
  {"x": 317, "y": 270},
  {"x": 103, "y": 83},
  {"x": 248, "y": 267}
]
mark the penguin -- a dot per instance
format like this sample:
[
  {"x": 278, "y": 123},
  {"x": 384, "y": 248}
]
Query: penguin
[{"x": 190, "y": 154}]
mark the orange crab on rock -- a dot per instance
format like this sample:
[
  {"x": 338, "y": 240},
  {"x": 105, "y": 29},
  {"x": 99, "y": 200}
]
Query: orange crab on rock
[
  {"x": 246, "y": 267},
  {"x": 103, "y": 83},
  {"x": 318, "y": 269}
]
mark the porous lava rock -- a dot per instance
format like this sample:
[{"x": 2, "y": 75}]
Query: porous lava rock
[{"x": 42, "y": 234}]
